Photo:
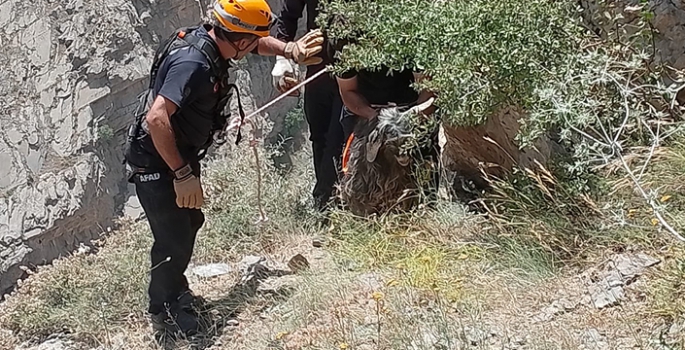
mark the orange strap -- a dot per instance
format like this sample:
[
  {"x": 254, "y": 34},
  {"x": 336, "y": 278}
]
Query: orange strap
[{"x": 346, "y": 153}]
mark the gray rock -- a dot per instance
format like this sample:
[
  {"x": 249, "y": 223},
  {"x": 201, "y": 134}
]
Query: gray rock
[
  {"x": 631, "y": 266},
  {"x": 251, "y": 268},
  {"x": 211, "y": 270},
  {"x": 318, "y": 242},
  {"x": 248, "y": 262},
  {"x": 51, "y": 344},
  {"x": 476, "y": 336},
  {"x": 603, "y": 297},
  {"x": 593, "y": 340}
]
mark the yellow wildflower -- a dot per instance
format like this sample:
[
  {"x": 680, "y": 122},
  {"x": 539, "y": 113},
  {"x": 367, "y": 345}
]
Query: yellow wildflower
[
  {"x": 655, "y": 221},
  {"x": 344, "y": 346},
  {"x": 665, "y": 198},
  {"x": 377, "y": 296},
  {"x": 280, "y": 335}
]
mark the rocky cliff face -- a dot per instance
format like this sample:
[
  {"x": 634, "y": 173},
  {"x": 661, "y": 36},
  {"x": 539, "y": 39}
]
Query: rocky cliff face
[{"x": 72, "y": 73}]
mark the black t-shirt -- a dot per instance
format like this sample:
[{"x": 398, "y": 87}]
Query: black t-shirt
[
  {"x": 185, "y": 78},
  {"x": 380, "y": 88},
  {"x": 286, "y": 24}
]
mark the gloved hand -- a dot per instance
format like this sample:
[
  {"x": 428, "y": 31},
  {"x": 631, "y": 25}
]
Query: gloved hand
[
  {"x": 304, "y": 50},
  {"x": 283, "y": 76},
  {"x": 188, "y": 189}
]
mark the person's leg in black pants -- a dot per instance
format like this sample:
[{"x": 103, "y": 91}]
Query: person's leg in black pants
[
  {"x": 322, "y": 105},
  {"x": 174, "y": 230}
]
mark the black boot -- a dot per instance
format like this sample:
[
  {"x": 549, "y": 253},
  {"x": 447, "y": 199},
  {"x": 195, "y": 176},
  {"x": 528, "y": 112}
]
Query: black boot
[
  {"x": 175, "y": 320},
  {"x": 189, "y": 302}
]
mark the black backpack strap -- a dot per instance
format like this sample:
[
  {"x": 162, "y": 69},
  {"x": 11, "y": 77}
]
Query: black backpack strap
[
  {"x": 171, "y": 42},
  {"x": 218, "y": 65},
  {"x": 239, "y": 136},
  {"x": 219, "y": 137},
  {"x": 219, "y": 68}
]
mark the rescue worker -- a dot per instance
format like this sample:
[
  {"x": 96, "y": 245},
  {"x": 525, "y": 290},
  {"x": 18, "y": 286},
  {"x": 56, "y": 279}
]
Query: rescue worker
[
  {"x": 322, "y": 104},
  {"x": 174, "y": 126},
  {"x": 365, "y": 92}
]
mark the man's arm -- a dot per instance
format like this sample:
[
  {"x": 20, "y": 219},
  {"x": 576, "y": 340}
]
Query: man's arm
[
  {"x": 162, "y": 133},
  {"x": 270, "y": 46},
  {"x": 424, "y": 94},
  {"x": 184, "y": 80},
  {"x": 353, "y": 100},
  {"x": 286, "y": 25}
]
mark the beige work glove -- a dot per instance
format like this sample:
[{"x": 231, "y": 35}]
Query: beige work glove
[
  {"x": 188, "y": 189},
  {"x": 304, "y": 50},
  {"x": 284, "y": 76}
]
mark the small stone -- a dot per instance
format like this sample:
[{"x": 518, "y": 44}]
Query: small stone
[
  {"x": 251, "y": 260},
  {"x": 232, "y": 323},
  {"x": 145, "y": 16},
  {"x": 318, "y": 242},
  {"x": 594, "y": 340},
  {"x": 211, "y": 270},
  {"x": 476, "y": 336},
  {"x": 298, "y": 263},
  {"x": 676, "y": 329},
  {"x": 252, "y": 267}
]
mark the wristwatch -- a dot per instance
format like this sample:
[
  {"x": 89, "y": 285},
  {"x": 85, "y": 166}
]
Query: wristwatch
[{"x": 183, "y": 172}]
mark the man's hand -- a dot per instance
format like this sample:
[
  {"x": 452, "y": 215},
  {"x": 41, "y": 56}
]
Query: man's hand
[
  {"x": 283, "y": 76},
  {"x": 188, "y": 189},
  {"x": 304, "y": 50}
]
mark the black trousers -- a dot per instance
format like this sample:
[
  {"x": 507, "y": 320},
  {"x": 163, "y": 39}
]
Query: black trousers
[
  {"x": 174, "y": 230},
  {"x": 322, "y": 106}
]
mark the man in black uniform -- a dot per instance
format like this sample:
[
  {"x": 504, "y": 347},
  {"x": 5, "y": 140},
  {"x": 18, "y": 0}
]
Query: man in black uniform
[
  {"x": 185, "y": 103},
  {"x": 365, "y": 92},
  {"x": 322, "y": 104}
]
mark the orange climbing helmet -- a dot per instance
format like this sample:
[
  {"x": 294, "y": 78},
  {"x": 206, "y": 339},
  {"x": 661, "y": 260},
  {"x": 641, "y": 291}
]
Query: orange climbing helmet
[{"x": 244, "y": 16}]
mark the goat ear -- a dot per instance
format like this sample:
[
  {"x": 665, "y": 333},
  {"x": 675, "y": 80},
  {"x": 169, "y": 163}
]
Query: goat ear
[
  {"x": 422, "y": 107},
  {"x": 373, "y": 144}
]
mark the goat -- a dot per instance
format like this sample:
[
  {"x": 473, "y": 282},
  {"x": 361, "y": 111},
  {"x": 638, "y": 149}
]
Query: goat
[{"x": 383, "y": 173}]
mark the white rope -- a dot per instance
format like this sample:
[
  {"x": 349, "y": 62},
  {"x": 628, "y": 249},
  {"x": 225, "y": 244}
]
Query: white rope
[
  {"x": 253, "y": 142},
  {"x": 285, "y": 94}
]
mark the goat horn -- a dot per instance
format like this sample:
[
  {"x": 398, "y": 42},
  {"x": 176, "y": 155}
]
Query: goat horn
[{"x": 422, "y": 107}]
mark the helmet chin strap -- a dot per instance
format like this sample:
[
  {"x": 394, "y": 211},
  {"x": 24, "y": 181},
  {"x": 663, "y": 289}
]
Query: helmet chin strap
[{"x": 235, "y": 47}]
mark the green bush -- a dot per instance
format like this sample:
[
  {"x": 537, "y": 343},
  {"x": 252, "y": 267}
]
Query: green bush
[
  {"x": 480, "y": 54},
  {"x": 536, "y": 54},
  {"x": 586, "y": 79}
]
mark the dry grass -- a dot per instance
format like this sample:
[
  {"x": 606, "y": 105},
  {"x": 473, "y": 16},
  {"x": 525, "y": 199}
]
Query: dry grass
[
  {"x": 82, "y": 294},
  {"x": 93, "y": 297},
  {"x": 435, "y": 278}
]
